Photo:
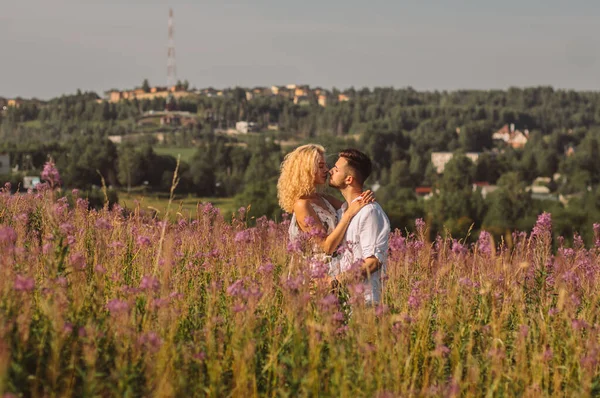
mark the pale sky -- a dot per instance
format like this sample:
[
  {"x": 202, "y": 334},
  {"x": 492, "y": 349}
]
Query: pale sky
[{"x": 49, "y": 48}]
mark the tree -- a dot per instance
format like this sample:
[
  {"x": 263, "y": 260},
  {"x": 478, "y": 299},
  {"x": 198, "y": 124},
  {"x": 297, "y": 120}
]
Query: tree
[
  {"x": 146, "y": 86},
  {"x": 130, "y": 166}
]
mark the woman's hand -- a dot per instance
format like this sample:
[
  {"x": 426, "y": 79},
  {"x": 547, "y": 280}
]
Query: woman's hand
[{"x": 366, "y": 198}]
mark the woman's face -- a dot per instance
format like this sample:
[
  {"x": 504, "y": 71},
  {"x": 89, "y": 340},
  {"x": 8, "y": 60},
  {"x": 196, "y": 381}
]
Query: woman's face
[{"x": 322, "y": 170}]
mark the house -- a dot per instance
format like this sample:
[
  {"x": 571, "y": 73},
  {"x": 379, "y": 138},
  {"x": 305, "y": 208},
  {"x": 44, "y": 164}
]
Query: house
[
  {"x": 485, "y": 188},
  {"x": 343, "y": 98},
  {"x": 514, "y": 138},
  {"x": 209, "y": 92},
  {"x": 29, "y": 182},
  {"x": 423, "y": 192},
  {"x": 4, "y": 164},
  {"x": 301, "y": 91},
  {"x": 301, "y": 100},
  {"x": 245, "y": 127},
  {"x": 322, "y": 99},
  {"x": 440, "y": 159},
  {"x": 170, "y": 119},
  {"x": 16, "y": 102}
]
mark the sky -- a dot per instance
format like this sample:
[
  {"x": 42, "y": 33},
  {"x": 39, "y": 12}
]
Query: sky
[{"x": 50, "y": 48}]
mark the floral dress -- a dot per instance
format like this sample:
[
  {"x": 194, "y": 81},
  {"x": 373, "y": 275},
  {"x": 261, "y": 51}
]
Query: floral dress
[{"x": 329, "y": 218}]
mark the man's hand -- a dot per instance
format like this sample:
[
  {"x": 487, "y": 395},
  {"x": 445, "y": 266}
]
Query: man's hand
[{"x": 370, "y": 265}]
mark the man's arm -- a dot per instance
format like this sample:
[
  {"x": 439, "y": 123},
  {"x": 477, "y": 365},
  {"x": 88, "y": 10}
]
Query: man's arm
[
  {"x": 370, "y": 265},
  {"x": 372, "y": 240}
]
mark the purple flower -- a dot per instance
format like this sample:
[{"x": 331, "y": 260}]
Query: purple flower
[
  {"x": 149, "y": 283},
  {"x": 100, "y": 269},
  {"x": 597, "y": 234},
  {"x": 578, "y": 324},
  {"x": 8, "y": 236},
  {"x": 442, "y": 350},
  {"x": 61, "y": 281},
  {"x": 116, "y": 306},
  {"x": 547, "y": 355},
  {"x": 484, "y": 243},
  {"x": 67, "y": 228},
  {"x": 77, "y": 260},
  {"x": 420, "y": 226},
  {"x": 24, "y": 284},
  {"x": 329, "y": 300},
  {"x": 50, "y": 174},
  {"x": 103, "y": 223},
  {"x": 523, "y": 331},
  {"x": 381, "y": 310},
  {"x": 397, "y": 243},
  {"x": 338, "y": 316},
  {"x": 237, "y": 288},
  {"x": 318, "y": 269},
  {"x": 553, "y": 311},
  {"x": 68, "y": 328},
  {"x": 458, "y": 248},
  {"x": 245, "y": 236},
  {"x": 143, "y": 240},
  {"x": 266, "y": 268},
  {"x": 151, "y": 341},
  {"x": 294, "y": 246},
  {"x": 293, "y": 284},
  {"x": 543, "y": 226},
  {"x": 159, "y": 303}
]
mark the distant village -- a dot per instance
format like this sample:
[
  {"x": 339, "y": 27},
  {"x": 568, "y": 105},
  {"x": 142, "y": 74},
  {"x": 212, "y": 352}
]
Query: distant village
[{"x": 299, "y": 94}]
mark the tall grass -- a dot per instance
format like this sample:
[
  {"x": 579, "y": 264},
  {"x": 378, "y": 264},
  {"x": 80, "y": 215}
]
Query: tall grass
[{"x": 234, "y": 311}]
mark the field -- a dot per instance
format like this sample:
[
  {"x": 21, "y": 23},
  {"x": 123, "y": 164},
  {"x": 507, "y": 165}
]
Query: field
[
  {"x": 186, "y": 153},
  {"x": 185, "y": 206},
  {"x": 99, "y": 303}
]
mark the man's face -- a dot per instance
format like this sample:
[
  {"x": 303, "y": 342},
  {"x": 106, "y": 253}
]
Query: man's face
[{"x": 338, "y": 174}]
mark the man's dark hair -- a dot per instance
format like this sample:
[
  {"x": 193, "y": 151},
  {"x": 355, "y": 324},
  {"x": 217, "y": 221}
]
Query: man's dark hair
[{"x": 359, "y": 162}]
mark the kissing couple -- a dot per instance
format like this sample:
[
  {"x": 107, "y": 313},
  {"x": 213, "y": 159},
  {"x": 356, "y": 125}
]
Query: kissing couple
[{"x": 357, "y": 223}]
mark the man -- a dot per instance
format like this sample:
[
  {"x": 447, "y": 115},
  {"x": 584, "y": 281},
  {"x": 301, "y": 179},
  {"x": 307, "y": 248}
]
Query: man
[{"x": 368, "y": 232}]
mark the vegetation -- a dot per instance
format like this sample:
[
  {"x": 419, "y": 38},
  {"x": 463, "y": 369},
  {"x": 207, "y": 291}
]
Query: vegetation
[
  {"x": 108, "y": 303},
  {"x": 398, "y": 128}
]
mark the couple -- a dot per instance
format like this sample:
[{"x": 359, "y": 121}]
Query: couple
[{"x": 358, "y": 223}]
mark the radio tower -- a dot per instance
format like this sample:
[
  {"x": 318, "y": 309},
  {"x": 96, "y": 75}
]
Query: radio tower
[{"x": 171, "y": 70}]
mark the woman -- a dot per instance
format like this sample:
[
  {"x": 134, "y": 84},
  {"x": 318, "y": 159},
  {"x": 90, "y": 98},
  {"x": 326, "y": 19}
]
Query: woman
[{"x": 302, "y": 172}]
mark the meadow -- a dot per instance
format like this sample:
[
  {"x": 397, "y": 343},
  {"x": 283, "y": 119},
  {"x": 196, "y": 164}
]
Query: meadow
[
  {"x": 115, "y": 303},
  {"x": 181, "y": 205}
]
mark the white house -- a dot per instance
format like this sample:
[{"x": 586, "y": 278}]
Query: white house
[
  {"x": 440, "y": 159},
  {"x": 245, "y": 127}
]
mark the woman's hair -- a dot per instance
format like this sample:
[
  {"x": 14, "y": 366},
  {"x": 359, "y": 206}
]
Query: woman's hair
[{"x": 298, "y": 172}]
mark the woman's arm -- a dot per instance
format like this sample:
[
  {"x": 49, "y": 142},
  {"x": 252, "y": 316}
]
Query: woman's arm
[{"x": 328, "y": 243}]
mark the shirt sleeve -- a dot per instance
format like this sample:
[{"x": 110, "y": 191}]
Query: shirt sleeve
[{"x": 372, "y": 232}]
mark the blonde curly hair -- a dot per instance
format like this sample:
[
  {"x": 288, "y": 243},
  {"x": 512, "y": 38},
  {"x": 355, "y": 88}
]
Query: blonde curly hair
[{"x": 298, "y": 172}]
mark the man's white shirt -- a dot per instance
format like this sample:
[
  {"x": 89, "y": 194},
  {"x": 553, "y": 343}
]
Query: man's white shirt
[{"x": 367, "y": 235}]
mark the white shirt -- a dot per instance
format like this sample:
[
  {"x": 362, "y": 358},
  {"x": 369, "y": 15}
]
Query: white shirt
[{"x": 367, "y": 235}]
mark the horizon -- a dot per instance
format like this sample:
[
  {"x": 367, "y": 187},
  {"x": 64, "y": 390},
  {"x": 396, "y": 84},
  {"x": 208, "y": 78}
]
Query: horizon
[
  {"x": 340, "y": 89},
  {"x": 52, "y": 49}
]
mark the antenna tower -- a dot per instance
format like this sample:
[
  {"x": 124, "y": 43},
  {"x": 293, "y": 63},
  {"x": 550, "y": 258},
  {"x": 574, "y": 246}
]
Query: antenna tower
[{"x": 171, "y": 69}]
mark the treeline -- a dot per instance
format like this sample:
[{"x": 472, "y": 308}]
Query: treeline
[{"x": 399, "y": 128}]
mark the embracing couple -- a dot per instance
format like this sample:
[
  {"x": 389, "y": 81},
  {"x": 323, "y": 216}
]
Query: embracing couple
[{"x": 358, "y": 226}]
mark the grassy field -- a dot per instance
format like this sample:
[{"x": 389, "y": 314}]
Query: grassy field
[
  {"x": 185, "y": 205},
  {"x": 102, "y": 303},
  {"x": 186, "y": 153}
]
